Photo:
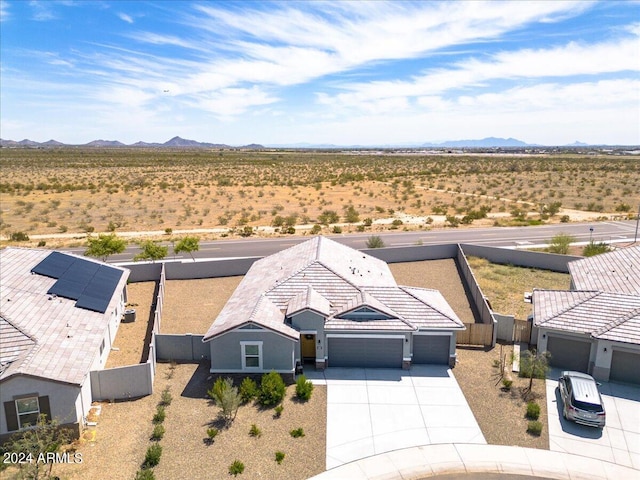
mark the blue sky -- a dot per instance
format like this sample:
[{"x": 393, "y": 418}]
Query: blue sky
[{"x": 546, "y": 72}]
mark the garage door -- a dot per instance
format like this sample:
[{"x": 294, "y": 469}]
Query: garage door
[
  {"x": 365, "y": 352},
  {"x": 625, "y": 367},
  {"x": 431, "y": 349},
  {"x": 569, "y": 354}
]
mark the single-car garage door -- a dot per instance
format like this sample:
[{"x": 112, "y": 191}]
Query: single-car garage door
[
  {"x": 365, "y": 352},
  {"x": 569, "y": 354},
  {"x": 625, "y": 367},
  {"x": 431, "y": 349}
]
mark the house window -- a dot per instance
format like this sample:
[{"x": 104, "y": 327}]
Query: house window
[
  {"x": 251, "y": 355},
  {"x": 28, "y": 410}
]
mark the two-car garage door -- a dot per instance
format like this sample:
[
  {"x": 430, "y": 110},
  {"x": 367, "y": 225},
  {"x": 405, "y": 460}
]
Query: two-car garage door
[
  {"x": 569, "y": 354},
  {"x": 369, "y": 352}
]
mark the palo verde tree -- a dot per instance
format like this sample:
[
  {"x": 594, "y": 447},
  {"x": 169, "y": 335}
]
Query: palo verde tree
[
  {"x": 104, "y": 246},
  {"x": 151, "y": 251},
  {"x": 188, "y": 245},
  {"x": 533, "y": 364}
]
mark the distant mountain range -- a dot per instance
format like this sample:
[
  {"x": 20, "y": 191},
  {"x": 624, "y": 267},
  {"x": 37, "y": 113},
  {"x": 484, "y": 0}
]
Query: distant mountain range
[{"x": 178, "y": 142}]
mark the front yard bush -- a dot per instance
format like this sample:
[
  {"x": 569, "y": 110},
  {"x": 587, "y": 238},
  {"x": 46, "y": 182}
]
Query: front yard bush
[
  {"x": 533, "y": 411},
  {"x": 225, "y": 396},
  {"x": 534, "y": 428},
  {"x": 236, "y": 468},
  {"x": 304, "y": 388},
  {"x": 211, "y": 434},
  {"x": 272, "y": 389},
  {"x": 158, "y": 433},
  {"x": 166, "y": 398},
  {"x": 297, "y": 432},
  {"x": 279, "y": 457},
  {"x": 145, "y": 474},
  {"x": 248, "y": 390},
  {"x": 278, "y": 411},
  {"x": 160, "y": 415},
  {"x": 152, "y": 457},
  {"x": 255, "y": 431}
]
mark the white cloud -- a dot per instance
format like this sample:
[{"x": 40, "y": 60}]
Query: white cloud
[
  {"x": 42, "y": 11},
  {"x": 124, "y": 17},
  {"x": 4, "y": 11}
]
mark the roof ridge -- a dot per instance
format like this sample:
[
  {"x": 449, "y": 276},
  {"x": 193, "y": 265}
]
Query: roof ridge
[
  {"x": 571, "y": 307},
  {"x": 616, "y": 323}
]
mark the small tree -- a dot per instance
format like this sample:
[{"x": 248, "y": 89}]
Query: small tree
[
  {"x": 151, "y": 251},
  {"x": 226, "y": 396},
  {"x": 272, "y": 389},
  {"x": 560, "y": 243},
  {"x": 44, "y": 437},
  {"x": 304, "y": 388},
  {"x": 188, "y": 245},
  {"x": 374, "y": 241},
  {"x": 533, "y": 365},
  {"x": 104, "y": 246}
]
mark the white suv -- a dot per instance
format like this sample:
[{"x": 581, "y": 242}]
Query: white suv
[{"x": 581, "y": 399}]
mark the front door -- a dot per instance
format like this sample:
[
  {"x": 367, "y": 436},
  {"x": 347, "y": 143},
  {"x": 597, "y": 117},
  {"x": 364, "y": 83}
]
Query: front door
[{"x": 308, "y": 347}]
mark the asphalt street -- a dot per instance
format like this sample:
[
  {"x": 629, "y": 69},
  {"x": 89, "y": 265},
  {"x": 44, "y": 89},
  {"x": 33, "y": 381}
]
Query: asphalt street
[{"x": 514, "y": 237}]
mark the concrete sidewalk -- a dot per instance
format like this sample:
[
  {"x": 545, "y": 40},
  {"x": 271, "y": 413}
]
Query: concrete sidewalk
[{"x": 425, "y": 461}]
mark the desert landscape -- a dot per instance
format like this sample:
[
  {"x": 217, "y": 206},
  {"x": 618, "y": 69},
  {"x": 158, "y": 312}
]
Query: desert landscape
[{"x": 58, "y": 194}]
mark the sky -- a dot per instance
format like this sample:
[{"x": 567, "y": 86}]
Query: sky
[{"x": 320, "y": 72}]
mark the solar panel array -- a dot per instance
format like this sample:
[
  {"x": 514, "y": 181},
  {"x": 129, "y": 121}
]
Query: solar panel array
[{"x": 89, "y": 283}]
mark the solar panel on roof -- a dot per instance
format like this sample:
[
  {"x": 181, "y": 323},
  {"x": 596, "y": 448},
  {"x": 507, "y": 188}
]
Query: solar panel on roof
[
  {"x": 81, "y": 271},
  {"x": 92, "y": 303},
  {"x": 54, "y": 265},
  {"x": 67, "y": 289}
]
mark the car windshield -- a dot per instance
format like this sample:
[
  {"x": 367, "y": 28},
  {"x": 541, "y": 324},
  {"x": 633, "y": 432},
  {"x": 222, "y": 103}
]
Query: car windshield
[{"x": 589, "y": 407}]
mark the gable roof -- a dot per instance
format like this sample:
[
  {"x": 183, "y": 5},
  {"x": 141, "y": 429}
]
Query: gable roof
[
  {"x": 616, "y": 271},
  {"x": 328, "y": 277},
  {"x": 612, "y": 316},
  {"x": 47, "y": 335}
]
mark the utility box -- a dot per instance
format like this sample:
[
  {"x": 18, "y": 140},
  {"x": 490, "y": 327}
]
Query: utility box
[{"x": 129, "y": 315}]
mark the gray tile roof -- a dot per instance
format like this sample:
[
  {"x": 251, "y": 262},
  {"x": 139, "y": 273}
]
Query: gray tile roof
[
  {"x": 329, "y": 277},
  {"x": 612, "y": 316},
  {"x": 46, "y": 336},
  {"x": 617, "y": 271}
]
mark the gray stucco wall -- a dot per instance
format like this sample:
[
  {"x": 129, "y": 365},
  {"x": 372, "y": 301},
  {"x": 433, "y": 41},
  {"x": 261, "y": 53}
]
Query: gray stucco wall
[
  {"x": 64, "y": 399},
  {"x": 181, "y": 347},
  {"x": 521, "y": 258},
  {"x": 123, "y": 382},
  {"x": 226, "y": 353},
  {"x": 413, "y": 254},
  {"x": 310, "y": 321}
]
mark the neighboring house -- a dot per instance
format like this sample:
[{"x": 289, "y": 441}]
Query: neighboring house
[
  {"x": 595, "y": 327},
  {"x": 59, "y": 314},
  {"x": 333, "y": 306}
]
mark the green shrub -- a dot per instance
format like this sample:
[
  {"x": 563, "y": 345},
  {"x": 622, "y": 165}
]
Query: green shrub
[
  {"x": 248, "y": 390},
  {"x": 279, "y": 457},
  {"x": 236, "y": 468},
  {"x": 375, "y": 241},
  {"x": 212, "y": 433},
  {"x": 297, "y": 432},
  {"x": 152, "y": 458},
  {"x": 158, "y": 432},
  {"x": 595, "y": 249},
  {"x": 304, "y": 388},
  {"x": 534, "y": 428},
  {"x": 42, "y": 243},
  {"x": 533, "y": 411},
  {"x": 336, "y": 229},
  {"x": 316, "y": 229},
  {"x": 278, "y": 411},
  {"x": 145, "y": 474},
  {"x": 19, "y": 237},
  {"x": 160, "y": 415},
  {"x": 272, "y": 389},
  {"x": 560, "y": 243},
  {"x": 506, "y": 383},
  {"x": 255, "y": 431},
  {"x": 227, "y": 397},
  {"x": 166, "y": 398},
  {"x": 565, "y": 219}
]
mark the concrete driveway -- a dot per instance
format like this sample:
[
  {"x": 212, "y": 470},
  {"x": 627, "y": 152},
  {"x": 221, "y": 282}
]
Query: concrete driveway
[
  {"x": 372, "y": 411},
  {"x": 618, "y": 442}
]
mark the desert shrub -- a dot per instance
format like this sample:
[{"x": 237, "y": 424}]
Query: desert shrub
[
  {"x": 304, "y": 388},
  {"x": 212, "y": 433},
  {"x": 595, "y": 249},
  {"x": 565, "y": 219},
  {"x": 19, "y": 237},
  {"x": 452, "y": 221},
  {"x": 506, "y": 383},
  {"x": 158, "y": 432},
  {"x": 226, "y": 396},
  {"x": 255, "y": 431},
  {"x": 42, "y": 243},
  {"x": 367, "y": 222},
  {"x": 168, "y": 231},
  {"x": 328, "y": 216},
  {"x": 533, "y": 411},
  {"x": 375, "y": 241},
  {"x": 166, "y": 397},
  {"x": 297, "y": 432},
  {"x": 278, "y": 411},
  {"x": 534, "y": 428},
  {"x": 316, "y": 229},
  {"x": 152, "y": 457},
  {"x": 272, "y": 389},
  {"x": 279, "y": 457},
  {"x": 145, "y": 474},
  {"x": 236, "y": 468},
  {"x": 248, "y": 390},
  {"x": 336, "y": 229},
  {"x": 160, "y": 415},
  {"x": 560, "y": 243}
]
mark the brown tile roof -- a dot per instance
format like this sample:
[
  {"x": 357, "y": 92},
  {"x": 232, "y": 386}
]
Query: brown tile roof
[
  {"x": 329, "y": 277},
  {"x": 612, "y": 316},
  {"x": 617, "y": 271},
  {"x": 65, "y": 339}
]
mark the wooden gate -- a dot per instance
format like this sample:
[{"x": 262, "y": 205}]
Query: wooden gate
[{"x": 521, "y": 331}]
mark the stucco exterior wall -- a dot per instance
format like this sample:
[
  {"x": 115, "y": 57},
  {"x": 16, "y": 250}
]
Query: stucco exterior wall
[
  {"x": 308, "y": 321},
  {"x": 278, "y": 352}
]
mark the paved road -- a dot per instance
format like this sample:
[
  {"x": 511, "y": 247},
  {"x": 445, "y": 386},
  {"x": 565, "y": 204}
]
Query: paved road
[{"x": 494, "y": 236}]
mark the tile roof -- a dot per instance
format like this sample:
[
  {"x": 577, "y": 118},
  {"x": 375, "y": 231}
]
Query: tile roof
[
  {"x": 616, "y": 271},
  {"x": 330, "y": 278},
  {"x": 612, "y": 316},
  {"x": 46, "y": 336}
]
